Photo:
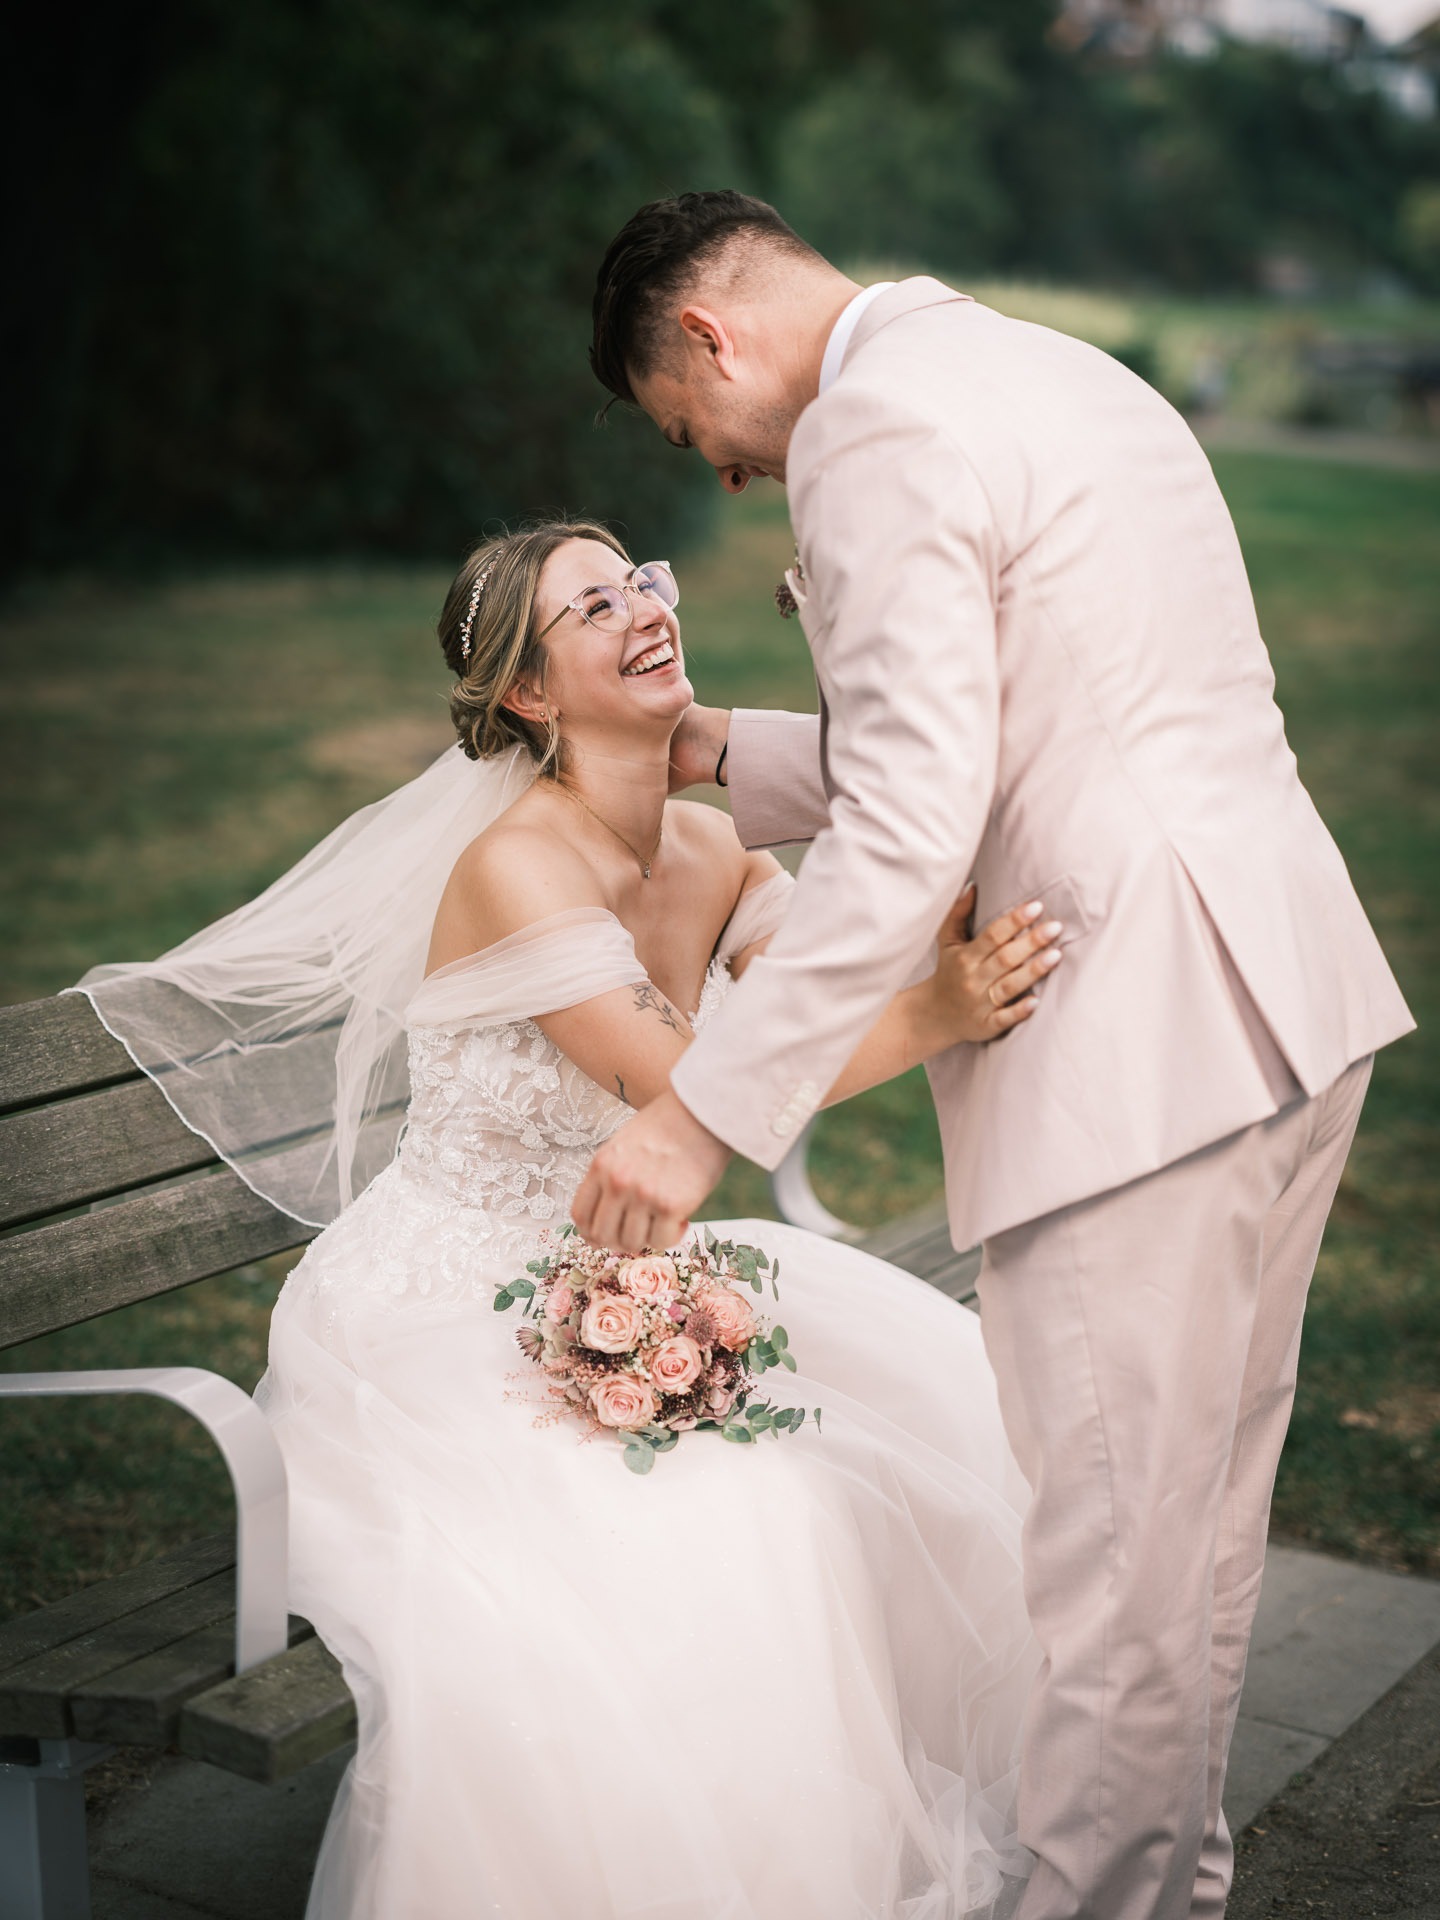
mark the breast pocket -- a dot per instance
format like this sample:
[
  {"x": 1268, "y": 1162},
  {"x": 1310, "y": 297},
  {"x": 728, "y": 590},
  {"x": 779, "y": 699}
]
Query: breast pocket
[{"x": 1062, "y": 902}]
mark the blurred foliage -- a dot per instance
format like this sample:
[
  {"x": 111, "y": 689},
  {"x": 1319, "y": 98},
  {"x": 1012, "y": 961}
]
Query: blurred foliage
[
  {"x": 325, "y": 283},
  {"x": 309, "y": 276}
]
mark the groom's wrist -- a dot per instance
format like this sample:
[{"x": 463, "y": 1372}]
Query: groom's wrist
[{"x": 699, "y": 752}]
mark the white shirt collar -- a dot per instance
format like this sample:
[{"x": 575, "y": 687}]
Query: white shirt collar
[{"x": 844, "y": 327}]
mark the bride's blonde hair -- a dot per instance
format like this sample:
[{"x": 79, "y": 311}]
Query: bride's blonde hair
[{"x": 487, "y": 632}]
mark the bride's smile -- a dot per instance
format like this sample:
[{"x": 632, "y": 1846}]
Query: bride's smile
[{"x": 602, "y": 620}]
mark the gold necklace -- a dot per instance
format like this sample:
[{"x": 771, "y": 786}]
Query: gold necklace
[{"x": 644, "y": 861}]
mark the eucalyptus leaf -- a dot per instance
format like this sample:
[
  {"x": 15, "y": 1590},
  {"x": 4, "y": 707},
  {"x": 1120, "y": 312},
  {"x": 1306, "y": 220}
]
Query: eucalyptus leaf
[
  {"x": 639, "y": 1458},
  {"x": 503, "y": 1299},
  {"x": 788, "y": 1360}
]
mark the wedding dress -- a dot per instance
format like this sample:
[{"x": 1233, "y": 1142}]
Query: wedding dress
[{"x": 776, "y": 1682}]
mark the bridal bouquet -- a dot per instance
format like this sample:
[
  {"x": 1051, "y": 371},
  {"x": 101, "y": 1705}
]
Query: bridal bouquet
[{"x": 656, "y": 1346}]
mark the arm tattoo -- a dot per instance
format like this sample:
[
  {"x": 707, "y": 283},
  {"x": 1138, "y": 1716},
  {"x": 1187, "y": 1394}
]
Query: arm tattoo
[
  {"x": 648, "y": 999},
  {"x": 623, "y": 1095}
]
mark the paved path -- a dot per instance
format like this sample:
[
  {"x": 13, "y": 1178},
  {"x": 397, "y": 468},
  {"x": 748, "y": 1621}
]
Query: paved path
[{"x": 176, "y": 1840}]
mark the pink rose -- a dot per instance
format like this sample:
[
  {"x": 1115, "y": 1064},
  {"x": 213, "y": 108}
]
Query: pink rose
[
  {"x": 612, "y": 1324},
  {"x": 676, "y": 1364},
  {"x": 559, "y": 1301},
  {"x": 620, "y": 1400},
  {"x": 734, "y": 1322},
  {"x": 720, "y": 1399},
  {"x": 649, "y": 1277}
]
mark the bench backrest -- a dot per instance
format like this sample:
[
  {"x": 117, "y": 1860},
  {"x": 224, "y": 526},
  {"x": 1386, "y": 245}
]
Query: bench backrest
[{"x": 79, "y": 1125}]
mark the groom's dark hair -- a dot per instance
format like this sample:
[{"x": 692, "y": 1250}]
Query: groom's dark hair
[{"x": 649, "y": 261}]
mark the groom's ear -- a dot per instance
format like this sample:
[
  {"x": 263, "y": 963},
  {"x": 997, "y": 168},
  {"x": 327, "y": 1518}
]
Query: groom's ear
[{"x": 708, "y": 340}]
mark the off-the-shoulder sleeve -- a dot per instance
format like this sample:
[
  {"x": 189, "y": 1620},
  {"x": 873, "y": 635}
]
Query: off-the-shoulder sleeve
[
  {"x": 758, "y": 912},
  {"x": 555, "y": 962}
]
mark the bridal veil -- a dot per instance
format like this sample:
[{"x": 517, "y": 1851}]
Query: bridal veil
[{"x": 277, "y": 1033}]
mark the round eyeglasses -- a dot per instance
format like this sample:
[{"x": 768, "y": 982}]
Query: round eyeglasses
[{"x": 608, "y": 607}]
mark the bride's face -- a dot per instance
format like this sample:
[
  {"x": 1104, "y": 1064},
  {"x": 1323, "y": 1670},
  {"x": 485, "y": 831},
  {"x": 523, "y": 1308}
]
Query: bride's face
[{"x": 598, "y": 678}]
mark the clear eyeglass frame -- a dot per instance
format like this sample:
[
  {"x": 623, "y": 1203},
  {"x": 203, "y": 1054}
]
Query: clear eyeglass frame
[{"x": 607, "y": 606}]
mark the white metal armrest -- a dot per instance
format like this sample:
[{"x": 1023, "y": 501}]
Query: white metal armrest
[
  {"x": 797, "y": 1200},
  {"x": 257, "y": 1473}
]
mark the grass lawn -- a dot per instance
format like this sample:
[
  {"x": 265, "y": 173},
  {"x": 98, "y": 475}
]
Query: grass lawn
[{"x": 169, "y": 748}]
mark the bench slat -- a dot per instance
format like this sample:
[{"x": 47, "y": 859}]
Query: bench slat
[
  {"x": 34, "y": 1698},
  {"x": 105, "y": 1601},
  {"x": 59, "y": 1275},
  {"x": 85, "y": 1149},
  {"x": 899, "y": 1240},
  {"x": 54, "y": 1047},
  {"x": 139, "y": 1705},
  {"x": 268, "y": 1723},
  {"x": 920, "y": 1243}
]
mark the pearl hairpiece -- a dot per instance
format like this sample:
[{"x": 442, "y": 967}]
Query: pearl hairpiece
[{"x": 469, "y": 622}]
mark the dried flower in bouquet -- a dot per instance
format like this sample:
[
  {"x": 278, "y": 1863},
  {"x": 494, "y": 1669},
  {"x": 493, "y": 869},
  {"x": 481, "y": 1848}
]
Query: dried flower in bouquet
[{"x": 655, "y": 1346}]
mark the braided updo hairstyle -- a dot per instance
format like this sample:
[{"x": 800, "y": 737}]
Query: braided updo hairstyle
[{"x": 504, "y": 651}]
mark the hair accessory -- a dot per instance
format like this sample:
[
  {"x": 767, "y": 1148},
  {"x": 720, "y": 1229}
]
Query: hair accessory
[{"x": 469, "y": 623}]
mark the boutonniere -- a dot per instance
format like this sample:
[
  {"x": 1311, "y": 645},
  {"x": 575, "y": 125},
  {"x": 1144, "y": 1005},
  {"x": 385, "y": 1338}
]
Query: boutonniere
[{"x": 790, "y": 595}]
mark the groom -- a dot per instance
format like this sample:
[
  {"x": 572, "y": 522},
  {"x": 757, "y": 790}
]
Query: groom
[{"x": 1039, "y": 666}]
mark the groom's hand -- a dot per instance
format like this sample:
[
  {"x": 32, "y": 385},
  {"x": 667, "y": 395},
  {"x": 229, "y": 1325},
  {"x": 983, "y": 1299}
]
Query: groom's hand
[
  {"x": 695, "y": 747},
  {"x": 647, "y": 1180}
]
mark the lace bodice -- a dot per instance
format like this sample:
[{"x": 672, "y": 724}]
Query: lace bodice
[
  {"x": 501, "y": 1125},
  {"x": 501, "y": 1120}
]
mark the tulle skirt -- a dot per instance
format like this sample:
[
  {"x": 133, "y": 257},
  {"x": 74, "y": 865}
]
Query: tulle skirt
[{"x": 776, "y": 1682}]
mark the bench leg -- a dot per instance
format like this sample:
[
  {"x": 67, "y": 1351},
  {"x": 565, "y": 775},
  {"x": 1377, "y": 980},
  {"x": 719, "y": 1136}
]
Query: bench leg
[{"x": 44, "y": 1868}]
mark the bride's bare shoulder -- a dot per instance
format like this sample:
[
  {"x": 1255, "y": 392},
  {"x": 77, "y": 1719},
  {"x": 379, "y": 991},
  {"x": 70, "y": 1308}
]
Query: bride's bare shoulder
[
  {"x": 708, "y": 830},
  {"x": 517, "y": 871}
]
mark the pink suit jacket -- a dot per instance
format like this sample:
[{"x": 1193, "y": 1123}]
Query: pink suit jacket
[{"x": 1039, "y": 665}]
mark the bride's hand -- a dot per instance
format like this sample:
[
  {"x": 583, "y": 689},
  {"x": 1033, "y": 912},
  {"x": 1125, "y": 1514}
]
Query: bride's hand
[{"x": 981, "y": 988}]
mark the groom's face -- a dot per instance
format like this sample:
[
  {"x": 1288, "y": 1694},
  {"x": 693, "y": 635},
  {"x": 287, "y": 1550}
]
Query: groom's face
[{"x": 716, "y": 390}]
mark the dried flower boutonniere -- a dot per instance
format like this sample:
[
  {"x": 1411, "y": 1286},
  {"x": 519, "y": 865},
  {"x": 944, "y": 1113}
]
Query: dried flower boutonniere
[{"x": 791, "y": 590}]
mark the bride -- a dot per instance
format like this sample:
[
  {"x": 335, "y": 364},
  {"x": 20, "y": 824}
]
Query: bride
[{"x": 780, "y": 1682}]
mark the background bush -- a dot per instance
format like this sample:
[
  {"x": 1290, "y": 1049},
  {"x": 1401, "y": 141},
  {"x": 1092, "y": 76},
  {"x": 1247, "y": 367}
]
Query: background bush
[{"x": 314, "y": 275}]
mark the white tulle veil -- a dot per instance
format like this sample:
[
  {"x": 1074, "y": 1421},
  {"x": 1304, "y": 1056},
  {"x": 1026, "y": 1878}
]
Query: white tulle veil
[{"x": 278, "y": 1033}]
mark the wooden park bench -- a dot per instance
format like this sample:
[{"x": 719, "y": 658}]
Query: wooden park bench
[{"x": 107, "y": 1198}]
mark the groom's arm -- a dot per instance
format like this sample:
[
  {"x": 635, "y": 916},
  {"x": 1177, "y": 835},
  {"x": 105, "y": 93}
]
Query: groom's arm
[
  {"x": 902, "y": 553},
  {"x": 772, "y": 768},
  {"x": 902, "y": 550}
]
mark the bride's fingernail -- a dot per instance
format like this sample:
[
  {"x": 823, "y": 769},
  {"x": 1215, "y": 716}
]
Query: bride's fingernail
[
  {"x": 1033, "y": 911},
  {"x": 1052, "y": 929},
  {"x": 1051, "y": 959}
]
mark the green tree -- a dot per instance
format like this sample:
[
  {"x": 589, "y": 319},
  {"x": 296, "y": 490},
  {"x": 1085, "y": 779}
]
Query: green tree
[{"x": 341, "y": 297}]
